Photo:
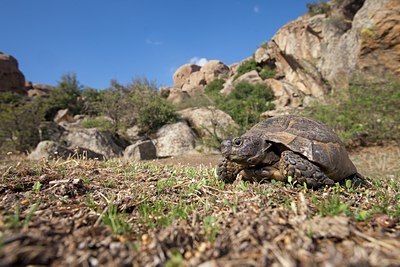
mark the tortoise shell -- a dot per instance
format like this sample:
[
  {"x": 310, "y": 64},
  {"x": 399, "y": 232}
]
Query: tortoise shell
[{"x": 310, "y": 138}]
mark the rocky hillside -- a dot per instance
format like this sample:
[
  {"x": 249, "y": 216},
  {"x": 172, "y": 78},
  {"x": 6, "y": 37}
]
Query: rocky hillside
[
  {"x": 13, "y": 80},
  {"x": 312, "y": 55},
  {"x": 305, "y": 60}
]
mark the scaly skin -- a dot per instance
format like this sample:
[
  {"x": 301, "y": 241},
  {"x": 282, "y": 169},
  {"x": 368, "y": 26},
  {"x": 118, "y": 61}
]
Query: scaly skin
[{"x": 290, "y": 164}]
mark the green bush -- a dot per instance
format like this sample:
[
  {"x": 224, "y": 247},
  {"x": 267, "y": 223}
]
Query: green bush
[
  {"x": 267, "y": 73},
  {"x": 318, "y": 7},
  {"x": 245, "y": 103},
  {"x": 137, "y": 103},
  {"x": 246, "y": 67},
  {"x": 67, "y": 94},
  {"x": 154, "y": 113},
  {"x": 20, "y": 119},
  {"x": 101, "y": 124},
  {"x": 368, "y": 113}
]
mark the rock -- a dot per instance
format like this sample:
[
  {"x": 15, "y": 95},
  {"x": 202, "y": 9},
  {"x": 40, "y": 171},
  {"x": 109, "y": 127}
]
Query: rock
[
  {"x": 210, "y": 122},
  {"x": 175, "y": 139},
  {"x": 177, "y": 95},
  {"x": 214, "y": 69},
  {"x": 164, "y": 91},
  {"x": 49, "y": 130},
  {"x": 182, "y": 74},
  {"x": 41, "y": 90},
  {"x": 285, "y": 93},
  {"x": 53, "y": 150},
  {"x": 193, "y": 90},
  {"x": 279, "y": 111},
  {"x": 92, "y": 139},
  {"x": 227, "y": 86},
  {"x": 197, "y": 79},
  {"x": 250, "y": 77},
  {"x": 132, "y": 133},
  {"x": 378, "y": 25},
  {"x": 357, "y": 36},
  {"x": 63, "y": 116},
  {"x": 11, "y": 78},
  {"x": 141, "y": 150}
]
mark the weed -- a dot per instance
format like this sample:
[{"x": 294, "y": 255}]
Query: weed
[
  {"x": 37, "y": 186},
  {"x": 332, "y": 206},
  {"x": 90, "y": 203},
  {"x": 233, "y": 206},
  {"x": 242, "y": 186},
  {"x": 175, "y": 260},
  {"x": 14, "y": 220},
  {"x": 116, "y": 220},
  {"x": 362, "y": 216},
  {"x": 210, "y": 227}
]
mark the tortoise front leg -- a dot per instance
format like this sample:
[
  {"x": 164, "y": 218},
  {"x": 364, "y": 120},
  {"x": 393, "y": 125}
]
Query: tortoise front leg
[{"x": 227, "y": 170}]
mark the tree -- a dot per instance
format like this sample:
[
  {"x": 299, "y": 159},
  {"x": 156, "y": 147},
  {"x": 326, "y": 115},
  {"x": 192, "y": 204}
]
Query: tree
[
  {"x": 67, "y": 94},
  {"x": 20, "y": 121}
]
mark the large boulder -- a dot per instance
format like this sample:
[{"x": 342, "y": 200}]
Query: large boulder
[
  {"x": 214, "y": 69},
  {"x": 11, "y": 78},
  {"x": 174, "y": 95},
  {"x": 193, "y": 90},
  {"x": 182, "y": 74},
  {"x": 197, "y": 79},
  {"x": 285, "y": 93},
  {"x": 53, "y": 150},
  {"x": 63, "y": 116},
  {"x": 249, "y": 77},
  {"x": 175, "y": 139},
  {"x": 210, "y": 122},
  {"x": 92, "y": 139},
  {"x": 34, "y": 89},
  {"x": 141, "y": 150},
  {"x": 356, "y": 36}
]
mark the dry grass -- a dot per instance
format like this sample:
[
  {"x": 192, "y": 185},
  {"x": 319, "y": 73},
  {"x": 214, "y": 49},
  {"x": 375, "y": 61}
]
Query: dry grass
[{"x": 89, "y": 213}]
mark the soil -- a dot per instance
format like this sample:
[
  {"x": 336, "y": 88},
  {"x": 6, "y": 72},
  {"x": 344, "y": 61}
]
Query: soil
[{"x": 174, "y": 212}]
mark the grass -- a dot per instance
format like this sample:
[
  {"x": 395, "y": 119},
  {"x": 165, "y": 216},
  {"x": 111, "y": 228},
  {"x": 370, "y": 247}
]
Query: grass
[
  {"x": 368, "y": 113},
  {"x": 183, "y": 215}
]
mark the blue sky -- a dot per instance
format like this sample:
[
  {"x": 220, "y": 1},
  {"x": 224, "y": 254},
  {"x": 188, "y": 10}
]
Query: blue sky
[{"x": 101, "y": 40}]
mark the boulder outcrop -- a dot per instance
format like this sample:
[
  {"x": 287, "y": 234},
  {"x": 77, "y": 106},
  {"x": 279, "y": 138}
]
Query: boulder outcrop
[
  {"x": 210, "y": 122},
  {"x": 140, "y": 150},
  {"x": 11, "y": 78},
  {"x": 175, "y": 139},
  {"x": 53, "y": 150}
]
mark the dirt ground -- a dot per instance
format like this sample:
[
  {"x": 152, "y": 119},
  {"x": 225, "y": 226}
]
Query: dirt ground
[{"x": 175, "y": 212}]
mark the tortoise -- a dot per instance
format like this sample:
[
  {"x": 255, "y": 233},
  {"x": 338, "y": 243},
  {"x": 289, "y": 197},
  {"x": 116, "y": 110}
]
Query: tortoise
[{"x": 287, "y": 146}]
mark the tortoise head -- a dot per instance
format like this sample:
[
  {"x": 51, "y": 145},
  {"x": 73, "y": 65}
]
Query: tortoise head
[{"x": 249, "y": 150}]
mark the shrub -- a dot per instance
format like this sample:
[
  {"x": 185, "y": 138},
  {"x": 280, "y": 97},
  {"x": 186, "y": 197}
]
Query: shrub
[
  {"x": 154, "y": 113},
  {"x": 101, "y": 124},
  {"x": 20, "y": 121},
  {"x": 367, "y": 113},
  {"x": 267, "y": 73},
  {"x": 245, "y": 103},
  {"x": 319, "y": 7},
  {"x": 137, "y": 103},
  {"x": 67, "y": 94},
  {"x": 246, "y": 67}
]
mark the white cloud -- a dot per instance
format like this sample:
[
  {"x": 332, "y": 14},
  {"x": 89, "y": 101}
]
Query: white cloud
[
  {"x": 198, "y": 61},
  {"x": 256, "y": 9},
  {"x": 152, "y": 42}
]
